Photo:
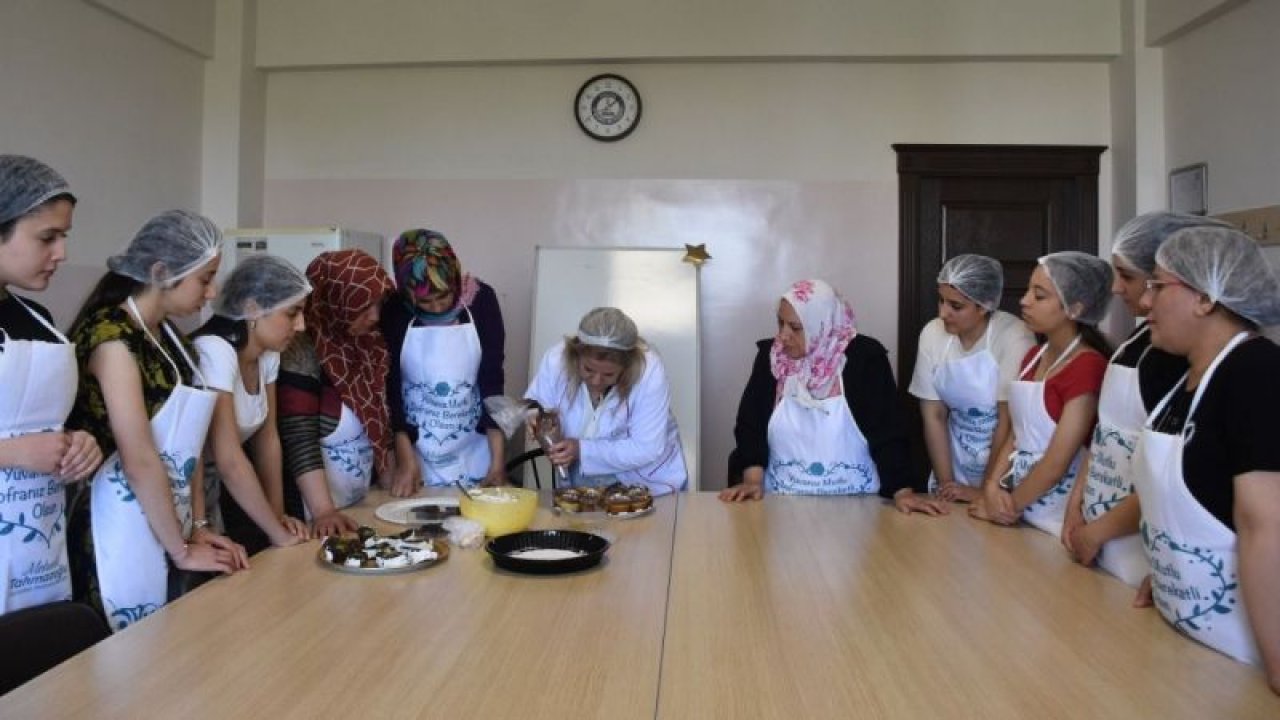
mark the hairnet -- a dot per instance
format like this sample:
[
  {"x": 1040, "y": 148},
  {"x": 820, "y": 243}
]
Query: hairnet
[
  {"x": 1080, "y": 278},
  {"x": 977, "y": 277},
  {"x": 608, "y": 327},
  {"x": 25, "y": 184},
  {"x": 260, "y": 285},
  {"x": 1136, "y": 241},
  {"x": 1226, "y": 265},
  {"x": 179, "y": 241}
]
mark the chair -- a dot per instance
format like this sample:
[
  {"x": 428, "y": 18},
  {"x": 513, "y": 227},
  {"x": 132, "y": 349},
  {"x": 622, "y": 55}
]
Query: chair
[
  {"x": 529, "y": 456},
  {"x": 37, "y": 638}
]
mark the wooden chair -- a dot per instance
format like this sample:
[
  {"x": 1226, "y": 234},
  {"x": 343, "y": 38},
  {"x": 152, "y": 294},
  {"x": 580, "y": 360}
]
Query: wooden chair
[{"x": 37, "y": 638}]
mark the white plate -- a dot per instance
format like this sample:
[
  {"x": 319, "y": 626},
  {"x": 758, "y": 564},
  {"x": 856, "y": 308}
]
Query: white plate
[{"x": 401, "y": 511}]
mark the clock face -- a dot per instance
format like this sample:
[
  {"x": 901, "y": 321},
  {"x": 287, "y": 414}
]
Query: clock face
[{"x": 607, "y": 107}]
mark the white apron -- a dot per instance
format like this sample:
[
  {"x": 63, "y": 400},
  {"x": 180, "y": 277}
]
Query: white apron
[
  {"x": 348, "y": 460},
  {"x": 1120, "y": 418},
  {"x": 1194, "y": 576},
  {"x": 37, "y": 394},
  {"x": 132, "y": 569},
  {"x": 1033, "y": 429},
  {"x": 969, "y": 387},
  {"x": 438, "y": 368},
  {"x": 818, "y": 451}
]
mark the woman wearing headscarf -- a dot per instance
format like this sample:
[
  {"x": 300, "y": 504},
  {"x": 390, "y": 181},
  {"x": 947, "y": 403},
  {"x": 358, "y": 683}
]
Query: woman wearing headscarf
[
  {"x": 144, "y": 400},
  {"x": 445, "y": 335},
  {"x": 967, "y": 358},
  {"x": 1101, "y": 522},
  {"x": 334, "y": 425},
  {"x": 255, "y": 315},
  {"x": 1207, "y": 467},
  {"x": 611, "y": 391},
  {"x": 820, "y": 415},
  {"x": 1053, "y": 403},
  {"x": 38, "y": 453}
]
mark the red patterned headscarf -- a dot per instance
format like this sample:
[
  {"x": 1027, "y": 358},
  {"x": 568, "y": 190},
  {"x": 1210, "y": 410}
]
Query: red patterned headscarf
[
  {"x": 346, "y": 283},
  {"x": 828, "y": 329}
]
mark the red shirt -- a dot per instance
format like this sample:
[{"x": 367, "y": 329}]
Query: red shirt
[{"x": 1082, "y": 375}]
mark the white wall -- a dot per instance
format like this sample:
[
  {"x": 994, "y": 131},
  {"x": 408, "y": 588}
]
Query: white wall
[
  {"x": 785, "y": 170},
  {"x": 1222, "y": 108},
  {"x": 114, "y": 108},
  {"x": 300, "y": 33}
]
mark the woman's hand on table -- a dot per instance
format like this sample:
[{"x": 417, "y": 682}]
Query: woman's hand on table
[
  {"x": 238, "y": 556},
  {"x": 564, "y": 453},
  {"x": 1142, "y": 599},
  {"x": 201, "y": 557},
  {"x": 742, "y": 491},
  {"x": 1085, "y": 544},
  {"x": 405, "y": 481},
  {"x": 333, "y": 522},
  {"x": 995, "y": 505},
  {"x": 958, "y": 492},
  {"x": 82, "y": 457},
  {"x": 1071, "y": 521},
  {"x": 907, "y": 501},
  {"x": 296, "y": 527}
]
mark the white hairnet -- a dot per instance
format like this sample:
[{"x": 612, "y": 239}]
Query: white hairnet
[
  {"x": 258, "y": 286},
  {"x": 180, "y": 242},
  {"x": 608, "y": 327},
  {"x": 1136, "y": 241},
  {"x": 26, "y": 184},
  {"x": 1080, "y": 278},
  {"x": 1226, "y": 265},
  {"x": 977, "y": 277}
]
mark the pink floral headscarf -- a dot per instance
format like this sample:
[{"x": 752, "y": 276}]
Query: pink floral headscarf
[{"x": 828, "y": 329}]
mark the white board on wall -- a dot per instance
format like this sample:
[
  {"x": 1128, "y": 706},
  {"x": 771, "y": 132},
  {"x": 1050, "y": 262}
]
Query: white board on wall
[{"x": 651, "y": 285}]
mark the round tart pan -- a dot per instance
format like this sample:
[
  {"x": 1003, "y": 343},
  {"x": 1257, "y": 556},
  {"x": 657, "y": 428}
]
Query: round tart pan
[{"x": 504, "y": 549}]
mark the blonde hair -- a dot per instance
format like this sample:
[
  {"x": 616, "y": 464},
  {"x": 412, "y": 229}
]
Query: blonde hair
[{"x": 632, "y": 363}]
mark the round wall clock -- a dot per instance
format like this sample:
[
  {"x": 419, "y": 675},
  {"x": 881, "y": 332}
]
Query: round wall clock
[{"x": 607, "y": 107}]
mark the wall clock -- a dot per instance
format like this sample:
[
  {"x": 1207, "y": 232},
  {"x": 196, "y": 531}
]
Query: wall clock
[{"x": 607, "y": 107}]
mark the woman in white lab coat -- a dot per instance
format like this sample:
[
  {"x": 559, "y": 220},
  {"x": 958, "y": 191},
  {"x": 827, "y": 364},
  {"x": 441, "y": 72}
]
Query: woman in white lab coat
[
  {"x": 967, "y": 358},
  {"x": 1207, "y": 466},
  {"x": 615, "y": 406},
  {"x": 1101, "y": 522},
  {"x": 38, "y": 377}
]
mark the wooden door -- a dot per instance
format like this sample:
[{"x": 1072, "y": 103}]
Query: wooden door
[{"x": 1011, "y": 202}]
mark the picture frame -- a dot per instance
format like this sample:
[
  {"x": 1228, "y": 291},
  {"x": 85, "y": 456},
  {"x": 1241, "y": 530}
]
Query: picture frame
[{"x": 1188, "y": 189}]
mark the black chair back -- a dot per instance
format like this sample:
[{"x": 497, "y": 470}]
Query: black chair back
[
  {"x": 37, "y": 638},
  {"x": 528, "y": 457}
]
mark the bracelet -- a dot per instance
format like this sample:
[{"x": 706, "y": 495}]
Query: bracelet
[
  {"x": 200, "y": 524},
  {"x": 186, "y": 550}
]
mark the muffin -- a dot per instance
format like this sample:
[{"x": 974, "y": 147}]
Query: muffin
[{"x": 569, "y": 500}]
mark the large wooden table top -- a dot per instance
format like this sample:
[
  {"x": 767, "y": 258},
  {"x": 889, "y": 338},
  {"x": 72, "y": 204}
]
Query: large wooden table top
[{"x": 789, "y": 608}]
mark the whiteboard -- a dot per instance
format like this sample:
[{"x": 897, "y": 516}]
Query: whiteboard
[{"x": 651, "y": 285}]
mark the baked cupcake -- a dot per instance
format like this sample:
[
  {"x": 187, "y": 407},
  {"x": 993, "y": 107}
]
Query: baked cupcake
[
  {"x": 569, "y": 500},
  {"x": 589, "y": 498},
  {"x": 617, "y": 503}
]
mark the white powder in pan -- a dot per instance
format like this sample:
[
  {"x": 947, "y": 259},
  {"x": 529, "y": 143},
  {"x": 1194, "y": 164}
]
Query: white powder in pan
[{"x": 546, "y": 554}]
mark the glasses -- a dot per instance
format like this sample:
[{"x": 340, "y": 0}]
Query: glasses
[{"x": 1155, "y": 286}]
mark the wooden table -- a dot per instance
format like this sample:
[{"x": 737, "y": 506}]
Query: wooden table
[
  {"x": 790, "y": 608},
  {"x": 841, "y": 608}
]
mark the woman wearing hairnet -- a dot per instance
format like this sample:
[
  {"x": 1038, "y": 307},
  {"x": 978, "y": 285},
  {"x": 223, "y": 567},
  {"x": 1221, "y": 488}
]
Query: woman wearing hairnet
[
  {"x": 38, "y": 454},
  {"x": 255, "y": 316},
  {"x": 820, "y": 414},
  {"x": 615, "y": 406},
  {"x": 968, "y": 356},
  {"x": 335, "y": 429},
  {"x": 1053, "y": 403},
  {"x": 1101, "y": 522},
  {"x": 445, "y": 334},
  {"x": 140, "y": 396},
  {"x": 1207, "y": 467}
]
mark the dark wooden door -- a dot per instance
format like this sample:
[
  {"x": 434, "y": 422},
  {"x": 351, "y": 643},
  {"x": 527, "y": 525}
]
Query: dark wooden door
[{"x": 1011, "y": 202}]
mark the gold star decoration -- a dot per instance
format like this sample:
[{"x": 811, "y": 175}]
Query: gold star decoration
[{"x": 696, "y": 254}]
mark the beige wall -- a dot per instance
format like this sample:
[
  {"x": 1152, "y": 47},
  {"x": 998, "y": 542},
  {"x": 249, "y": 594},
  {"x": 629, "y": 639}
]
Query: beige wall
[
  {"x": 1222, "y": 108},
  {"x": 115, "y": 108}
]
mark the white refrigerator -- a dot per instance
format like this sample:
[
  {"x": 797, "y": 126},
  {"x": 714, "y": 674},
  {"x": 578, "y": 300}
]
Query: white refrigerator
[{"x": 298, "y": 245}]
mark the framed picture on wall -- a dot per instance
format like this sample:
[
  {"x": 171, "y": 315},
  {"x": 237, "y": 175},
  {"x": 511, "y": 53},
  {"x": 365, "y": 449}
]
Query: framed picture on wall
[{"x": 1188, "y": 189}]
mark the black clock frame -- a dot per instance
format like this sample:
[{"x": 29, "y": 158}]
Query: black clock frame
[{"x": 578, "y": 98}]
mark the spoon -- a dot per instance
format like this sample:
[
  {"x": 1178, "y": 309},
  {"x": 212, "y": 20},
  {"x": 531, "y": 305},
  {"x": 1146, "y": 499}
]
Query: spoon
[{"x": 464, "y": 489}]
